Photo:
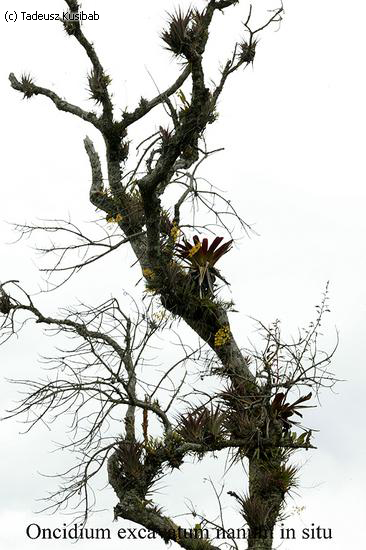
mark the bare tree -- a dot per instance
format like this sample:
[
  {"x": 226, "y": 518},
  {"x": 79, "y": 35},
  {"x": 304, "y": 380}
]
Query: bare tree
[{"x": 99, "y": 376}]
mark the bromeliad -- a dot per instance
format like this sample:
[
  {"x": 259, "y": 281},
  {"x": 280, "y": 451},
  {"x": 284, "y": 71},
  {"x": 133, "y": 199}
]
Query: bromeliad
[
  {"x": 283, "y": 410},
  {"x": 202, "y": 259}
]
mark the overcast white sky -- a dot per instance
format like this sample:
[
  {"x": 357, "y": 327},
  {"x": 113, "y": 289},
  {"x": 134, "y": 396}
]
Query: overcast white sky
[{"x": 293, "y": 128}]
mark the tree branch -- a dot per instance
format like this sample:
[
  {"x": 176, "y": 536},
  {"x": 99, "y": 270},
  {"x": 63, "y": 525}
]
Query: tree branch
[
  {"x": 146, "y": 106},
  {"x": 74, "y": 28},
  {"x": 29, "y": 89}
]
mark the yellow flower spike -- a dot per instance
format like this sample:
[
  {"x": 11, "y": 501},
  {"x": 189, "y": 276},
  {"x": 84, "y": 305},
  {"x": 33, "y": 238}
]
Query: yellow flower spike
[
  {"x": 175, "y": 231},
  {"x": 160, "y": 315},
  {"x": 194, "y": 249},
  {"x": 148, "y": 273},
  {"x": 115, "y": 219}
]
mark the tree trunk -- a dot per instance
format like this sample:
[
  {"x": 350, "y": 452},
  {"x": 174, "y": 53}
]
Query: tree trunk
[
  {"x": 260, "y": 544},
  {"x": 266, "y": 497}
]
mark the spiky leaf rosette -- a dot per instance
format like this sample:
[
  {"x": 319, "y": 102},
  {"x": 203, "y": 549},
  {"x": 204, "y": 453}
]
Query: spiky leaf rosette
[
  {"x": 74, "y": 5},
  {"x": 201, "y": 425},
  {"x": 283, "y": 410},
  {"x": 242, "y": 425},
  {"x": 176, "y": 37},
  {"x": 137, "y": 471},
  {"x": 183, "y": 30},
  {"x": 200, "y": 254},
  {"x": 244, "y": 411},
  {"x": 98, "y": 83},
  {"x": 165, "y": 136},
  {"x": 131, "y": 463},
  {"x": 283, "y": 477},
  {"x": 27, "y": 86},
  {"x": 237, "y": 397},
  {"x": 247, "y": 51},
  {"x": 191, "y": 425},
  {"x": 254, "y": 510},
  {"x": 202, "y": 258},
  {"x": 70, "y": 26},
  {"x": 215, "y": 425}
]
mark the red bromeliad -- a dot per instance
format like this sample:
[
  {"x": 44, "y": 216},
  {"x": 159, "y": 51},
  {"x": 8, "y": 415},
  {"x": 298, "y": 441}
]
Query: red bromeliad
[
  {"x": 202, "y": 258},
  {"x": 283, "y": 410}
]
